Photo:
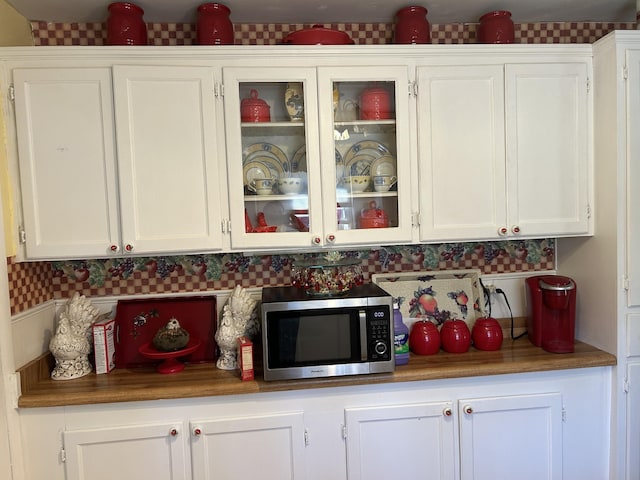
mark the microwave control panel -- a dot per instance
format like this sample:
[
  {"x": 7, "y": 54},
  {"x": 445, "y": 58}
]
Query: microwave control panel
[{"x": 379, "y": 334}]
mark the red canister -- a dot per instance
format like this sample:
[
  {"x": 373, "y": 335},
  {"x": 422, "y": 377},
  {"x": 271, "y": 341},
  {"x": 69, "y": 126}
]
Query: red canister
[
  {"x": 373, "y": 217},
  {"x": 455, "y": 336},
  {"x": 254, "y": 109},
  {"x": 125, "y": 25},
  {"x": 487, "y": 334},
  {"x": 375, "y": 104},
  {"x": 412, "y": 26},
  {"x": 424, "y": 338},
  {"x": 496, "y": 27},
  {"x": 214, "y": 26}
]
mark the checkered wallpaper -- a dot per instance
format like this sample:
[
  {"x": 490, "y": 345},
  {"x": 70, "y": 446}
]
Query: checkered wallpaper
[
  {"x": 47, "y": 34},
  {"x": 33, "y": 283}
]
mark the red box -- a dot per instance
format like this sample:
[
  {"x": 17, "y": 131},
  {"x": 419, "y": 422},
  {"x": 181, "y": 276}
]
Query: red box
[
  {"x": 104, "y": 345},
  {"x": 245, "y": 358},
  {"x": 137, "y": 321}
]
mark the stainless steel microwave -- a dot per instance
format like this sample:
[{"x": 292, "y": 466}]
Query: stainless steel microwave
[{"x": 305, "y": 336}]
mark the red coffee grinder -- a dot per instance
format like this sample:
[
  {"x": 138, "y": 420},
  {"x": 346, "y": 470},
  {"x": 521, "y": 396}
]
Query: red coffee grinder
[{"x": 551, "y": 312}]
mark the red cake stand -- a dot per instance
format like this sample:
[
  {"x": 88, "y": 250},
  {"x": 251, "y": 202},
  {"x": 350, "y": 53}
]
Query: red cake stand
[{"x": 170, "y": 363}]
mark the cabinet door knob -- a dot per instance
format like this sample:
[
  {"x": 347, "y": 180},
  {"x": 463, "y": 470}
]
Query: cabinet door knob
[
  {"x": 515, "y": 229},
  {"x": 173, "y": 432},
  {"x": 447, "y": 412},
  {"x": 331, "y": 238},
  {"x": 468, "y": 409},
  {"x": 503, "y": 231},
  {"x": 316, "y": 240},
  {"x": 114, "y": 248},
  {"x": 197, "y": 431},
  {"x": 128, "y": 247}
]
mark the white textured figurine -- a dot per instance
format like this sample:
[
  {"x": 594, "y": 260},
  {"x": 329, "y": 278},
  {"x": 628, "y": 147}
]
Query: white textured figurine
[
  {"x": 72, "y": 341},
  {"x": 239, "y": 319}
]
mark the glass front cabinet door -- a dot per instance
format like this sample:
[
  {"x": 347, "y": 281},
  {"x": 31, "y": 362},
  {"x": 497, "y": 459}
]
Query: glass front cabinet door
[{"x": 317, "y": 157}]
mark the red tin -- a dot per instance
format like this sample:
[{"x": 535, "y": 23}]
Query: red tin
[
  {"x": 487, "y": 334},
  {"x": 375, "y": 104},
  {"x": 455, "y": 336},
  {"x": 125, "y": 25},
  {"x": 496, "y": 27},
  {"x": 254, "y": 109},
  {"x": 214, "y": 26}
]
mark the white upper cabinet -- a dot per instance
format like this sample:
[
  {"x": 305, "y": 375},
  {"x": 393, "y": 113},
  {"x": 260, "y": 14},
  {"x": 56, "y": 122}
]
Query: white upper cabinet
[
  {"x": 633, "y": 162},
  {"x": 548, "y": 149},
  {"x": 66, "y": 138},
  {"x": 169, "y": 160},
  {"x": 503, "y": 151},
  {"x": 311, "y": 164}
]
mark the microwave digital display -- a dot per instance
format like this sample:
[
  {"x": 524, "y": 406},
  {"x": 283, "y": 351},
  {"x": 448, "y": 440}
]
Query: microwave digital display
[{"x": 305, "y": 336}]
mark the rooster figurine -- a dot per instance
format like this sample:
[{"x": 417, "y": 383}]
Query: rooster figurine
[{"x": 171, "y": 337}]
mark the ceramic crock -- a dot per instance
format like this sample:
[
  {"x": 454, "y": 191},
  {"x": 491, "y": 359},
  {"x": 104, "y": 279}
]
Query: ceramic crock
[
  {"x": 496, "y": 27},
  {"x": 254, "y": 109},
  {"x": 214, "y": 26},
  {"x": 412, "y": 25},
  {"x": 424, "y": 338},
  {"x": 487, "y": 334},
  {"x": 373, "y": 217},
  {"x": 375, "y": 104},
  {"x": 125, "y": 25},
  {"x": 318, "y": 35},
  {"x": 455, "y": 336}
]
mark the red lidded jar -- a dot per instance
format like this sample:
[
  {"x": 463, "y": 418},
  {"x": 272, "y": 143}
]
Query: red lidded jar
[
  {"x": 375, "y": 104},
  {"x": 125, "y": 25},
  {"x": 424, "y": 338},
  {"x": 455, "y": 336},
  {"x": 487, "y": 334},
  {"x": 412, "y": 26},
  {"x": 496, "y": 27},
  {"x": 254, "y": 109},
  {"x": 214, "y": 26}
]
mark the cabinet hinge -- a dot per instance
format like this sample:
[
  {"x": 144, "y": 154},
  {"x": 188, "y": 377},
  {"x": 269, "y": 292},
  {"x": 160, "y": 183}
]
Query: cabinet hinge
[
  {"x": 22, "y": 236},
  {"x": 588, "y": 211},
  {"x": 12, "y": 93},
  {"x": 225, "y": 225},
  {"x": 413, "y": 89},
  {"x": 306, "y": 437},
  {"x": 625, "y": 283},
  {"x": 564, "y": 414},
  {"x": 588, "y": 84},
  {"x": 625, "y": 72},
  {"x": 344, "y": 432},
  {"x": 218, "y": 90},
  {"x": 63, "y": 455},
  {"x": 625, "y": 385},
  {"x": 415, "y": 219}
]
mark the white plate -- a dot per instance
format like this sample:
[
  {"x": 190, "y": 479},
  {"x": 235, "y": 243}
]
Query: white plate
[
  {"x": 259, "y": 151},
  {"x": 359, "y": 164},
  {"x": 368, "y": 147}
]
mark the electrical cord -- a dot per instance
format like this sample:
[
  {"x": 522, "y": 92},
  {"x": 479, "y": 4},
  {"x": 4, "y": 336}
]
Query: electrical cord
[{"x": 487, "y": 301}]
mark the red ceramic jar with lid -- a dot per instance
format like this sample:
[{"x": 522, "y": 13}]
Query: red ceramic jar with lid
[
  {"x": 487, "y": 334},
  {"x": 373, "y": 217},
  {"x": 254, "y": 109},
  {"x": 214, "y": 26},
  {"x": 455, "y": 336},
  {"x": 125, "y": 25},
  {"x": 424, "y": 338},
  {"x": 412, "y": 25},
  {"x": 318, "y": 35},
  {"x": 496, "y": 27}
]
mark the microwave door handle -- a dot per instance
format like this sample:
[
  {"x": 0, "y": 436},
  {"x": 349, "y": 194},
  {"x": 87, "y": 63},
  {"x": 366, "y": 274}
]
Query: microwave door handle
[{"x": 363, "y": 335}]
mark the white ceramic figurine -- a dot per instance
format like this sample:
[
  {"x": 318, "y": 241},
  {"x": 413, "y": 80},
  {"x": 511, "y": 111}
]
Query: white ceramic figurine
[{"x": 239, "y": 319}]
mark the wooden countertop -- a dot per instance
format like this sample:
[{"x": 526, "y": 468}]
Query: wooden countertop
[{"x": 204, "y": 380}]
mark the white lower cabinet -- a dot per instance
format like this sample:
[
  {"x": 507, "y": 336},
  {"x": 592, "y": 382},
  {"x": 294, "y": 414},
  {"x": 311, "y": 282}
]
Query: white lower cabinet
[
  {"x": 268, "y": 447},
  {"x": 497, "y": 437},
  {"x": 416, "y": 441},
  {"x": 502, "y": 436},
  {"x": 126, "y": 452}
]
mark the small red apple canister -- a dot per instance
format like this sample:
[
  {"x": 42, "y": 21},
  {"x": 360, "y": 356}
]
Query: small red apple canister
[
  {"x": 424, "y": 338},
  {"x": 487, "y": 334},
  {"x": 254, "y": 109},
  {"x": 455, "y": 336},
  {"x": 125, "y": 25},
  {"x": 496, "y": 27}
]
